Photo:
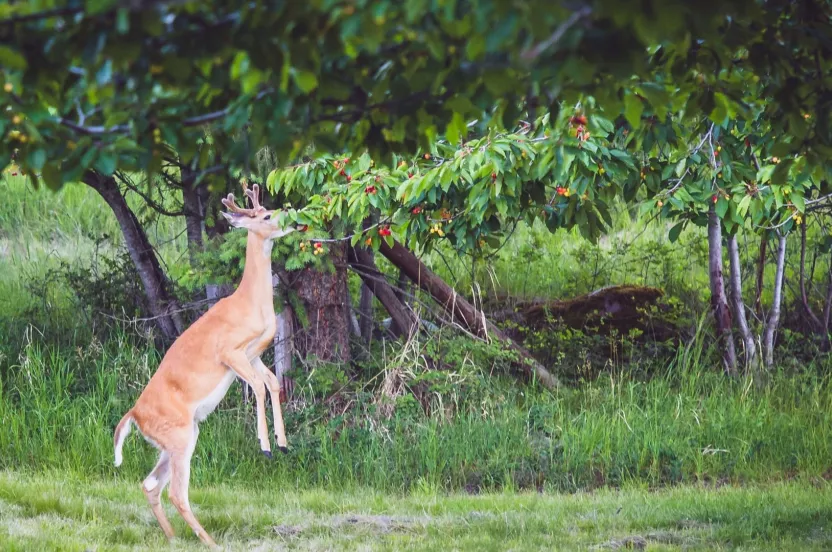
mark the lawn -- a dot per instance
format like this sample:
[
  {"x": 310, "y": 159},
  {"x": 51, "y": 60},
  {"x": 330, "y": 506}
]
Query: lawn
[{"x": 54, "y": 511}]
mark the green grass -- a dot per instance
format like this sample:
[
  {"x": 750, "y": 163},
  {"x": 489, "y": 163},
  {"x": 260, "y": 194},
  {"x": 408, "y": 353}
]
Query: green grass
[
  {"x": 58, "y": 408},
  {"x": 51, "y": 511}
]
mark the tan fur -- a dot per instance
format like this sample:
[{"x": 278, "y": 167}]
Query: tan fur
[{"x": 228, "y": 339}]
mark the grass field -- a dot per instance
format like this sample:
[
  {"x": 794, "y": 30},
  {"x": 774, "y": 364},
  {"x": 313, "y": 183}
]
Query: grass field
[{"x": 51, "y": 512}]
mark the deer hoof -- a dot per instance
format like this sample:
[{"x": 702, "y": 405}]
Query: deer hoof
[
  {"x": 267, "y": 454},
  {"x": 284, "y": 450}
]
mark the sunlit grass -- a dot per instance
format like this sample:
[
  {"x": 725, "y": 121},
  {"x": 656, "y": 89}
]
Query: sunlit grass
[{"x": 52, "y": 511}]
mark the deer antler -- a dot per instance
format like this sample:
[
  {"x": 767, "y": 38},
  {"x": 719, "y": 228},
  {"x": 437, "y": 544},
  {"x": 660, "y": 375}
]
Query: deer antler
[{"x": 253, "y": 196}]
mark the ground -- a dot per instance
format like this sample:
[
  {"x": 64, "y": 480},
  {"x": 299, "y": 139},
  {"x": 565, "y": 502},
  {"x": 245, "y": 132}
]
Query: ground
[{"x": 57, "y": 512}]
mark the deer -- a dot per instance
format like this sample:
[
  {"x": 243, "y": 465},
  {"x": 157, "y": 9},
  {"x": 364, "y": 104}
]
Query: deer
[{"x": 196, "y": 372}]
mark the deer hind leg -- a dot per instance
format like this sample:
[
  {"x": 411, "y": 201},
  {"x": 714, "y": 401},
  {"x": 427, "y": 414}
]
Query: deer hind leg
[
  {"x": 273, "y": 385},
  {"x": 243, "y": 368},
  {"x": 153, "y": 486},
  {"x": 180, "y": 478}
]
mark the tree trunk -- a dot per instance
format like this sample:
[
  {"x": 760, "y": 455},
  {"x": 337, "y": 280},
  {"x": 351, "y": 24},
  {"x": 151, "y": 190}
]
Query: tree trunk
[
  {"x": 402, "y": 287},
  {"x": 774, "y": 315},
  {"x": 324, "y": 295},
  {"x": 761, "y": 270},
  {"x": 739, "y": 305},
  {"x": 365, "y": 313},
  {"x": 163, "y": 306},
  {"x": 364, "y": 264},
  {"x": 283, "y": 352},
  {"x": 816, "y": 325},
  {"x": 827, "y": 308},
  {"x": 461, "y": 310},
  {"x": 194, "y": 213},
  {"x": 719, "y": 304}
]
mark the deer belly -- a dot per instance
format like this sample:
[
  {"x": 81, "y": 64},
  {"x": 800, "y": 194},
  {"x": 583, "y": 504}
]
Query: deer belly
[{"x": 209, "y": 403}]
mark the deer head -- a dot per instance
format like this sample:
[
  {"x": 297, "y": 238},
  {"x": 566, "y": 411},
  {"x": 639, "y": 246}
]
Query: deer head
[{"x": 257, "y": 219}]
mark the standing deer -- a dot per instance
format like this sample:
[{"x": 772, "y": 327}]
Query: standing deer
[{"x": 195, "y": 374}]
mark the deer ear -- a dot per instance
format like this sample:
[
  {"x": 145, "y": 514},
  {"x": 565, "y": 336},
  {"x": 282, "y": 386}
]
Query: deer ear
[{"x": 235, "y": 220}]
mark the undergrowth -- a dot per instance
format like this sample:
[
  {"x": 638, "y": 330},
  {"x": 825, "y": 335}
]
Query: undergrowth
[{"x": 59, "y": 407}]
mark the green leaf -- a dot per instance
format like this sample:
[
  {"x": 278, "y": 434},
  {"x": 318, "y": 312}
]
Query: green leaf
[
  {"x": 721, "y": 207},
  {"x": 799, "y": 201},
  {"x": 97, "y": 6},
  {"x": 106, "y": 163},
  {"x": 675, "y": 231},
  {"x": 781, "y": 171},
  {"x": 52, "y": 176},
  {"x": 305, "y": 80},
  {"x": 455, "y": 129},
  {"x": 475, "y": 47},
  {"x": 633, "y": 108},
  {"x": 37, "y": 158},
  {"x": 11, "y": 59}
]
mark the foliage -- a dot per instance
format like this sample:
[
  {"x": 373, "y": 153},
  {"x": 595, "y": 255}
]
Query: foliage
[{"x": 109, "y": 86}]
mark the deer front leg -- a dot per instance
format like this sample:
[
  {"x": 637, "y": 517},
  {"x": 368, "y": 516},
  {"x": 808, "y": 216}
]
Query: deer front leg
[
  {"x": 238, "y": 362},
  {"x": 273, "y": 385}
]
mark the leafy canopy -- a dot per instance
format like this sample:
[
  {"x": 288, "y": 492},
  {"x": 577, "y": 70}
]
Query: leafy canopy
[{"x": 107, "y": 85}]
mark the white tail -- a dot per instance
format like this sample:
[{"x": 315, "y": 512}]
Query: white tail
[{"x": 121, "y": 433}]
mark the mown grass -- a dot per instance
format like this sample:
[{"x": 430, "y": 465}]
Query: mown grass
[{"x": 51, "y": 511}]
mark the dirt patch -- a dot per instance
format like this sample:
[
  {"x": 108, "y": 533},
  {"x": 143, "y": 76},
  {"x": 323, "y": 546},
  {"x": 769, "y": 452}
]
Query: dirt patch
[
  {"x": 363, "y": 522},
  {"x": 381, "y": 524},
  {"x": 639, "y": 542}
]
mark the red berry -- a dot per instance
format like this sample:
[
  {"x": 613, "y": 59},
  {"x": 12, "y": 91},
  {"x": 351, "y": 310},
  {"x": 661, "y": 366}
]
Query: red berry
[
  {"x": 427, "y": 156},
  {"x": 303, "y": 228},
  {"x": 715, "y": 198},
  {"x": 410, "y": 175},
  {"x": 417, "y": 210},
  {"x": 342, "y": 172},
  {"x": 493, "y": 176},
  {"x": 349, "y": 178},
  {"x": 579, "y": 120}
]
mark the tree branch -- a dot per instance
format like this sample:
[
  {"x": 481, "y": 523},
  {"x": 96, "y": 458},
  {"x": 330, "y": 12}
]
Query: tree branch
[{"x": 555, "y": 37}]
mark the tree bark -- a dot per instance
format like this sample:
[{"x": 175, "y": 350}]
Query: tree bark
[
  {"x": 324, "y": 296},
  {"x": 739, "y": 305},
  {"x": 363, "y": 262},
  {"x": 719, "y": 304},
  {"x": 163, "y": 306},
  {"x": 402, "y": 285},
  {"x": 365, "y": 313},
  {"x": 827, "y": 308},
  {"x": 761, "y": 268},
  {"x": 817, "y": 326},
  {"x": 283, "y": 352},
  {"x": 774, "y": 316},
  {"x": 460, "y": 309},
  {"x": 194, "y": 213}
]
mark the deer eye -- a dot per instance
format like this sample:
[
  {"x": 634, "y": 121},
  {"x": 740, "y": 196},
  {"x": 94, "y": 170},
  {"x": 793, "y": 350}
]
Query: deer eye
[{"x": 267, "y": 217}]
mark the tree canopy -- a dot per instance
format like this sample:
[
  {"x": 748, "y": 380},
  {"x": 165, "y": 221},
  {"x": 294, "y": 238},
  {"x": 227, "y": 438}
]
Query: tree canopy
[{"x": 108, "y": 85}]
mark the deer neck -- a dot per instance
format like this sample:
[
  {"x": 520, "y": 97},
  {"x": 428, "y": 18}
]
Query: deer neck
[{"x": 257, "y": 274}]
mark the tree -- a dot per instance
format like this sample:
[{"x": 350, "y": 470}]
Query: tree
[{"x": 116, "y": 85}]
